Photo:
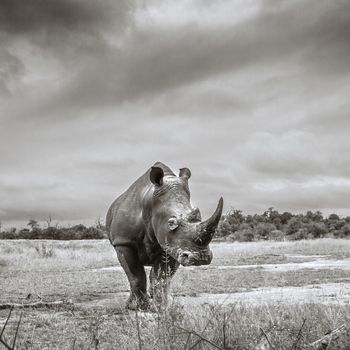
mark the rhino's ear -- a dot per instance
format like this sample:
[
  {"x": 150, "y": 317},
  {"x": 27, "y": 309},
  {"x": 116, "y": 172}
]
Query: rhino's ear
[
  {"x": 156, "y": 175},
  {"x": 185, "y": 173}
]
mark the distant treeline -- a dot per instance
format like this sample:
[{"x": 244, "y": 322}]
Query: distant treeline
[
  {"x": 233, "y": 226},
  {"x": 55, "y": 232},
  {"x": 273, "y": 225}
]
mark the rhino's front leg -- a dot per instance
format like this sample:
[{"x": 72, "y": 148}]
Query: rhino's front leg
[
  {"x": 135, "y": 272},
  {"x": 160, "y": 277}
]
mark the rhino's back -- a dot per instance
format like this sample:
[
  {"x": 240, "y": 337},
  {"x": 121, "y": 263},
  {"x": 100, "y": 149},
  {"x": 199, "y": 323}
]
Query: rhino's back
[{"x": 124, "y": 220}]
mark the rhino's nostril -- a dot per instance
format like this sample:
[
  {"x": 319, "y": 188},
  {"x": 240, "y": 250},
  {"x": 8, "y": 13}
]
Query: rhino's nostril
[{"x": 185, "y": 254}]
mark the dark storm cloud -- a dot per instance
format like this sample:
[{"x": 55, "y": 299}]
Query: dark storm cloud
[
  {"x": 155, "y": 59},
  {"x": 50, "y": 16},
  {"x": 64, "y": 30}
]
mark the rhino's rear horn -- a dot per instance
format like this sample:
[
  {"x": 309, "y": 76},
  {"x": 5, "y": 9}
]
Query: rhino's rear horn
[
  {"x": 206, "y": 229},
  {"x": 194, "y": 215}
]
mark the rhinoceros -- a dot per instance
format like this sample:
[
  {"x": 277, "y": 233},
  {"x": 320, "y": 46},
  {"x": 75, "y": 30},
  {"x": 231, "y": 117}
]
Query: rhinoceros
[{"x": 154, "y": 224}]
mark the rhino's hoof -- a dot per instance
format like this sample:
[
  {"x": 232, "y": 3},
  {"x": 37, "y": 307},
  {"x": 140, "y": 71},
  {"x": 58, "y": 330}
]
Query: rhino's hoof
[{"x": 141, "y": 304}]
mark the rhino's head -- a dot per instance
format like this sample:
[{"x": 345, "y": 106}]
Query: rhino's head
[{"x": 176, "y": 224}]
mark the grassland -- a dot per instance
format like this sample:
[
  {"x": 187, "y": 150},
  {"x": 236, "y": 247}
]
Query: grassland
[{"x": 87, "y": 273}]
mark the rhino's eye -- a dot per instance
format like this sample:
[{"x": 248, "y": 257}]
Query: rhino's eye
[{"x": 172, "y": 223}]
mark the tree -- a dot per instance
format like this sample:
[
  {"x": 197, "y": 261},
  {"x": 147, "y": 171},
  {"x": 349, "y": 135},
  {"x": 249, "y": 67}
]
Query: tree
[
  {"x": 334, "y": 223},
  {"x": 346, "y": 230},
  {"x": 99, "y": 224},
  {"x": 272, "y": 214},
  {"x": 48, "y": 221},
  {"x": 231, "y": 222},
  {"x": 333, "y": 217},
  {"x": 263, "y": 229},
  {"x": 314, "y": 216},
  {"x": 245, "y": 234},
  {"x": 294, "y": 224},
  {"x": 33, "y": 224},
  {"x": 317, "y": 229},
  {"x": 235, "y": 217},
  {"x": 285, "y": 217},
  {"x": 224, "y": 229}
]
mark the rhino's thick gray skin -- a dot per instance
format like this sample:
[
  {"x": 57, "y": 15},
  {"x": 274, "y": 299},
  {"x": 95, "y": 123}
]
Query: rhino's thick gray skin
[{"x": 154, "y": 224}]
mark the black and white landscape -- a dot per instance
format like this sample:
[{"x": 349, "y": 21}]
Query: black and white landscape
[{"x": 251, "y": 95}]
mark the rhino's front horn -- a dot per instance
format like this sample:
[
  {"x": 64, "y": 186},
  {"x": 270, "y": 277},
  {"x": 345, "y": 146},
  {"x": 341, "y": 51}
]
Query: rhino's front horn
[{"x": 206, "y": 229}]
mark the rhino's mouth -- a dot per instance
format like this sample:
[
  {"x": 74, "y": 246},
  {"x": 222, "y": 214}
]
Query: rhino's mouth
[
  {"x": 194, "y": 258},
  {"x": 190, "y": 257}
]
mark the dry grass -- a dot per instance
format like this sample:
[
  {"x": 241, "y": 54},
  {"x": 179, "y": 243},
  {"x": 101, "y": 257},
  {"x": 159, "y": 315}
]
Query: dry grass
[
  {"x": 27, "y": 255},
  {"x": 237, "y": 327},
  {"x": 3, "y": 263},
  {"x": 97, "y": 320}
]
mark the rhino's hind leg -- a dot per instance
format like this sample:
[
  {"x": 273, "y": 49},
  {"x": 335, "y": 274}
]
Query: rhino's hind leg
[
  {"x": 160, "y": 277},
  {"x": 136, "y": 274}
]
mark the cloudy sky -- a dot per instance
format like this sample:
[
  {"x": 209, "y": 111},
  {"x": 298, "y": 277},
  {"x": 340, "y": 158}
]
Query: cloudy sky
[{"x": 252, "y": 96}]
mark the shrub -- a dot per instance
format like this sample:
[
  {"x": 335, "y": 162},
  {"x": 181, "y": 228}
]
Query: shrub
[
  {"x": 263, "y": 230},
  {"x": 277, "y": 235},
  {"x": 244, "y": 235},
  {"x": 317, "y": 229},
  {"x": 9, "y": 234},
  {"x": 294, "y": 224},
  {"x": 53, "y": 233},
  {"x": 234, "y": 225},
  {"x": 300, "y": 234},
  {"x": 72, "y": 233},
  {"x": 224, "y": 229},
  {"x": 344, "y": 232},
  {"x": 92, "y": 233}
]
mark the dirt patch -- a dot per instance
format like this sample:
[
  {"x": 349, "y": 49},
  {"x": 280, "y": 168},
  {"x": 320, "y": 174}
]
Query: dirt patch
[
  {"x": 300, "y": 256},
  {"x": 326, "y": 293},
  {"x": 318, "y": 264}
]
